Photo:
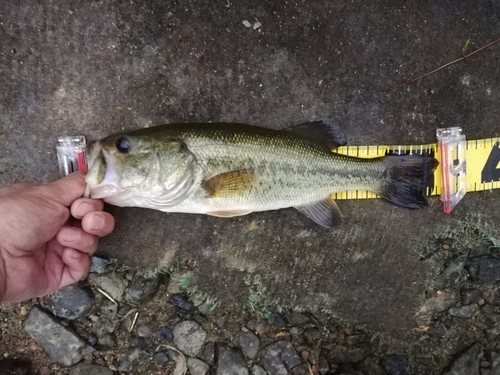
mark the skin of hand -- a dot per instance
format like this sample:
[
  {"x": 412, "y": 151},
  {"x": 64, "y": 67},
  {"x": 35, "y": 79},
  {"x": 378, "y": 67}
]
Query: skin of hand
[{"x": 47, "y": 234}]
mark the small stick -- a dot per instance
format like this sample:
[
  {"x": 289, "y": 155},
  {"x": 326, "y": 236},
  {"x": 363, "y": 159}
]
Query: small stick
[
  {"x": 444, "y": 66},
  {"x": 106, "y": 295},
  {"x": 452, "y": 62},
  {"x": 133, "y": 322}
]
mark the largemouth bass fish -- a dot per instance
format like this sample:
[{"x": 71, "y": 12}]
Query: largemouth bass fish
[{"x": 233, "y": 169}]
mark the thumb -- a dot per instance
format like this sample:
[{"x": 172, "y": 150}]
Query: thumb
[{"x": 67, "y": 189}]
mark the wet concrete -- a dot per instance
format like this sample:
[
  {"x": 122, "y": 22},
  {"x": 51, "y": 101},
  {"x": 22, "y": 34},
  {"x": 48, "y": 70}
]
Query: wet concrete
[{"x": 97, "y": 67}]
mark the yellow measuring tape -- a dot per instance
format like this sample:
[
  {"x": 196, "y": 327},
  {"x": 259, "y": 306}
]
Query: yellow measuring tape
[{"x": 482, "y": 157}]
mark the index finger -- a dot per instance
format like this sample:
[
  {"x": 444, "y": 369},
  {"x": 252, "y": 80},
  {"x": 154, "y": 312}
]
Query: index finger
[{"x": 67, "y": 189}]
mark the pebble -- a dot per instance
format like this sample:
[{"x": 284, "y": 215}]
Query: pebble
[
  {"x": 230, "y": 362},
  {"x": 208, "y": 352},
  {"x": 98, "y": 265},
  {"x": 189, "y": 337},
  {"x": 312, "y": 335},
  {"x": 279, "y": 358},
  {"x": 144, "y": 330},
  {"x": 166, "y": 334},
  {"x": 451, "y": 274},
  {"x": 249, "y": 344},
  {"x": 495, "y": 363},
  {"x": 488, "y": 270},
  {"x": 142, "y": 289},
  {"x": 297, "y": 318},
  {"x": 438, "y": 302},
  {"x": 277, "y": 320},
  {"x": 470, "y": 296},
  {"x": 62, "y": 345},
  {"x": 88, "y": 369},
  {"x": 71, "y": 302},
  {"x": 395, "y": 365},
  {"x": 341, "y": 354},
  {"x": 106, "y": 340},
  {"x": 180, "y": 301},
  {"x": 467, "y": 363},
  {"x": 197, "y": 366},
  {"x": 161, "y": 357},
  {"x": 112, "y": 283},
  {"x": 463, "y": 312},
  {"x": 130, "y": 360},
  {"x": 493, "y": 333},
  {"x": 257, "y": 370}
]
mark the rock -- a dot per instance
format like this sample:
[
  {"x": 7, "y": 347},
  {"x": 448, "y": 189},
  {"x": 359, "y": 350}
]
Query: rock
[
  {"x": 142, "y": 289},
  {"x": 451, "y": 274},
  {"x": 297, "y": 318},
  {"x": 341, "y": 354},
  {"x": 489, "y": 270},
  {"x": 106, "y": 340},
  {"x": 98, "y": 265},
  {"x": 166, "y": 334},
  {"x": 71, "y": 302},
  {"x": 62, "y": 345},
  {"x": 495, "y": 363},
  {"x": 277, "y": 320},
  {"x": 112, "y": 283},
  {"x": 257, "y": 370},
  {"x": 197, "y": 367},
  {"x": 249, "y": 343},
  {"x": 189, "y": 337},
  {"x": 493, "y": 333},
  {"x": 437, "y": 302},
  {"x": 230, "y": 362},
  {"x": 144, "y": 330},
  {"x": 470, "y": 296},
  {"x": 88, "y": 369},
  {"x": 130, "y": 360},
  {"x": 208, "y": 352},
  {"x": 279, "y": 358},
  {"x": 312, "y": 335},
  {"x": 395, "y": 365},
  {"x": 463, "y": 312},
  {"x": 161, "y": 357},
  {"x": 180, "y": 301},
  {"x": 105, "y": 325},
  {"x": 468, "y": 362}
]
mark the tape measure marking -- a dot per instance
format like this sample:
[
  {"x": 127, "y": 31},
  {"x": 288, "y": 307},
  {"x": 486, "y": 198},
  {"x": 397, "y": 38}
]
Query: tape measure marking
[{"x": 482, "y": 160}]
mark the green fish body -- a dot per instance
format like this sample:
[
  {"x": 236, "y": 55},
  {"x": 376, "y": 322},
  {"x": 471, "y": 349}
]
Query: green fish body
[{"x": 233, "y": 169}]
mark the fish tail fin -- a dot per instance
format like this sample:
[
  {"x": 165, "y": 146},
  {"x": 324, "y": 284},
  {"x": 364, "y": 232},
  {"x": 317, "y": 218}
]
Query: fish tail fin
[{"x": 407, "y": 179}]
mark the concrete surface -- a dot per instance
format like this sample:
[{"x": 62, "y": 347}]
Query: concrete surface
[{"x": 96, "y": 67}]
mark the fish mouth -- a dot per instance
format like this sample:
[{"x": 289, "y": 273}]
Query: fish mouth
[{"x": 102, "y": 178}]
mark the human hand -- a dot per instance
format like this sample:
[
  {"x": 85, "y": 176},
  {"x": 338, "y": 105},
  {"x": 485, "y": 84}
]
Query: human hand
[{"x": 41, "y": 250}]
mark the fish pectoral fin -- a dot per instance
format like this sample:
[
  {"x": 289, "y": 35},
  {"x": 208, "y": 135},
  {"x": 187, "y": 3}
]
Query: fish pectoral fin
[
  {"x": 324, "y": 132},
  {"x": 228, "y": 213},
  {"x": 325, "y": 213},
  {"x": 229, "y": 183}
]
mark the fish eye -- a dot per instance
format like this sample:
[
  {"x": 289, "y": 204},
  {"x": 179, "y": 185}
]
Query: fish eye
[{"x": 123, "y": 145}]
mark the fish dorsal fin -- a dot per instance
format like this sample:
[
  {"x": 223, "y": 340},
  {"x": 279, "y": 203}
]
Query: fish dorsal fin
[
  {"x": 229, "y": 183},
  {"x": 325, "y": 213},
  {"x": 228, "y": 213},
  {"x": 323, "y": 132}
]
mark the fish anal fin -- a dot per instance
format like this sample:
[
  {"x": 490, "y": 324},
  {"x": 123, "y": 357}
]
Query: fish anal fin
[
  {"x": 323, "y": 132},
  {"x": 325, "y": 213},
  {"x": 230, "y": 183},
  {"x": 228, "y": 213}
]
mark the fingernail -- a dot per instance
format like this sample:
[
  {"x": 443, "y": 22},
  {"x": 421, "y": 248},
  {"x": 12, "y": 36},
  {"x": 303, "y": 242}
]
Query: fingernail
[
  {"x": 71, "y": 234},
  {"x": 84, "y": 208},
  {"x": 75, "y": 254},
  {"x": 97, "y": 222}
]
